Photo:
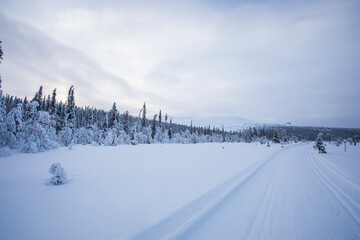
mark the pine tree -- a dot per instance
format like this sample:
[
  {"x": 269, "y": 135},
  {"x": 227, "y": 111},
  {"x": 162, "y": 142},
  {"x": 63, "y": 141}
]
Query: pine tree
[
  {"x": 153, "y": 127},
  {"x": 132, "y": 136},
  {"x": 113, "y": 116},
  {"x": 38, "y": 98},
  {"x": 70, "y": 116},
  {"x": 276, "y": 138},
  {"x": 165, "y": 122},
  {"x": 191, "y": 127},
  {"x": 223, "y": 133},
  {"x": 143, "y": 117},
  {"x": 170, "y": 129},
  {"x": 47, "y": 104},
  {"x": 126, "y": 122},
  {"x": 24, "y": 103},
  {"x": 319, "y": 145},
  {"x": 52, "y": 107},
  {"x": 90, "y": 117},
  {"x": 160, "y": 118}
]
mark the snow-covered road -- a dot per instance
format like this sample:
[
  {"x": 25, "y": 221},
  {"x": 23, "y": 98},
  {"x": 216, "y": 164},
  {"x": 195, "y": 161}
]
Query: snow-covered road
[{"x": 294, "y": 194}]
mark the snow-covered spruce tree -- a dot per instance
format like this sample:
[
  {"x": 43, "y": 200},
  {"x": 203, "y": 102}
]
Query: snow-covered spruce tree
[
  {"x": 319, "y": 145},
  {"x": 113, "y": 116},
  {"x": 59, "y": 175},
  {"x": 132, "y": 136},
  {"x": 170, "y": 129},
  {"x": 70, "y": 109},
  {"x": 143, "y": 116},
  {"x": 125, "y": 122},
  {"x": 283, "y": 136},
  {"x": 110, "y": 137},
  {"x": 4, "y": 150},
  {"x": 52, "y": 107},
  {"x": 90, "y": 118},
  {"x": 276, "y": 138},
  {"x": 83, "y": 136},
  {"x": 223, "y": 134},
  {"x": 164, "y": 125},
  {"x": 14, "y": 124},
  {"x": 66, "y": 134},
  {"x": 153, "y": 127},
  {"x": 160, "y": 119},
  {"x": 38, "y": 98},
  {"x": 38, "y": 131},
  {"x": 4, "y": 134}
]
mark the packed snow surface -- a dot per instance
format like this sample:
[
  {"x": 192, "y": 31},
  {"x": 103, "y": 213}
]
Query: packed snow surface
[{"x": 198, "y": 191}]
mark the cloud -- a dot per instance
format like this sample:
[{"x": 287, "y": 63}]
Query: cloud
[
  {"x": 34, "y": 59},
  {"x": 266, "y": 60}
]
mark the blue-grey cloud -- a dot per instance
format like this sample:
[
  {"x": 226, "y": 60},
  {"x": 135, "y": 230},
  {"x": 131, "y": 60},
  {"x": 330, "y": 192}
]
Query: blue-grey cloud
[
  {"x": 34, "y": 59},
  {"x": 270, "y": 60}
]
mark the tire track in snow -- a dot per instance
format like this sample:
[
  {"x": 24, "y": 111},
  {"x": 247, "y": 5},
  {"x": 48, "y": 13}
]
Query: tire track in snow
[
  {"x": 178, "y": 224},
  {"x": 262, "y": 218},
  {"x": 336, "y": 173},
  {"x": 347, "y": 203}
]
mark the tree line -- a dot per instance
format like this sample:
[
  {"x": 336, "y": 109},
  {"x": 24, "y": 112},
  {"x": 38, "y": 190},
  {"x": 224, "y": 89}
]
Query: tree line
[{"x": 43, "y": 123}]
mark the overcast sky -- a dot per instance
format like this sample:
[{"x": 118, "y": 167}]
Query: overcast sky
[{"x": 268, "y": 61}]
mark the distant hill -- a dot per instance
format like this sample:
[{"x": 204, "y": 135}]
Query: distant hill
[{"x": 230, "y": 123}]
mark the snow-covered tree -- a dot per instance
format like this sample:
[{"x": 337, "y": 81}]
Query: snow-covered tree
[
  {"x": 90, "y": 118},
  {"x": 170, "y": 129},
  {"x": 113, "y": 116},
  {"x": 110, "y": 138},
  {"x": 52, "y": 106},
  {"x": 125, "y": 122},
  {"x": 38, "y": 98},
  {"x": 133, "y": 141},
  {"x": 160, "y": 119},
  {"x": 153, "y": 127},
  {"x": 38, "y": 132},
  {"x": 83, "y": 136},
  {"x": 14, "y": 119},
  {"x": 70, "y": 109},
  {"x": 59, "y": 175},
  {"x": 5, "y": 136},
  {"x": 143, "y": 116},
  {"x": 276, "y": 138},
  {"x": 319, "y": 145}
]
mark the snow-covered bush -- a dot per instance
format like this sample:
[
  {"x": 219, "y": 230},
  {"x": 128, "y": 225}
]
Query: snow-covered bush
[
  {"x": 59, "y": 174},
  {"x": 65, "y": 136},
  {"x": 110, "y": 139},
  {"x": 83, "y": 136}
]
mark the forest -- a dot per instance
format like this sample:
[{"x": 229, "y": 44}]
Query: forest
[{"x": 43, "y": 123}]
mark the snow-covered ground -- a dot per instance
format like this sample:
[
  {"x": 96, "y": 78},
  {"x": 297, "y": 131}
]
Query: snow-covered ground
[{"x": 200, "y": 191}]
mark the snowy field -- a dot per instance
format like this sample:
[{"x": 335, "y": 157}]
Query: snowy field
[{"x": 194, "y": 191}]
